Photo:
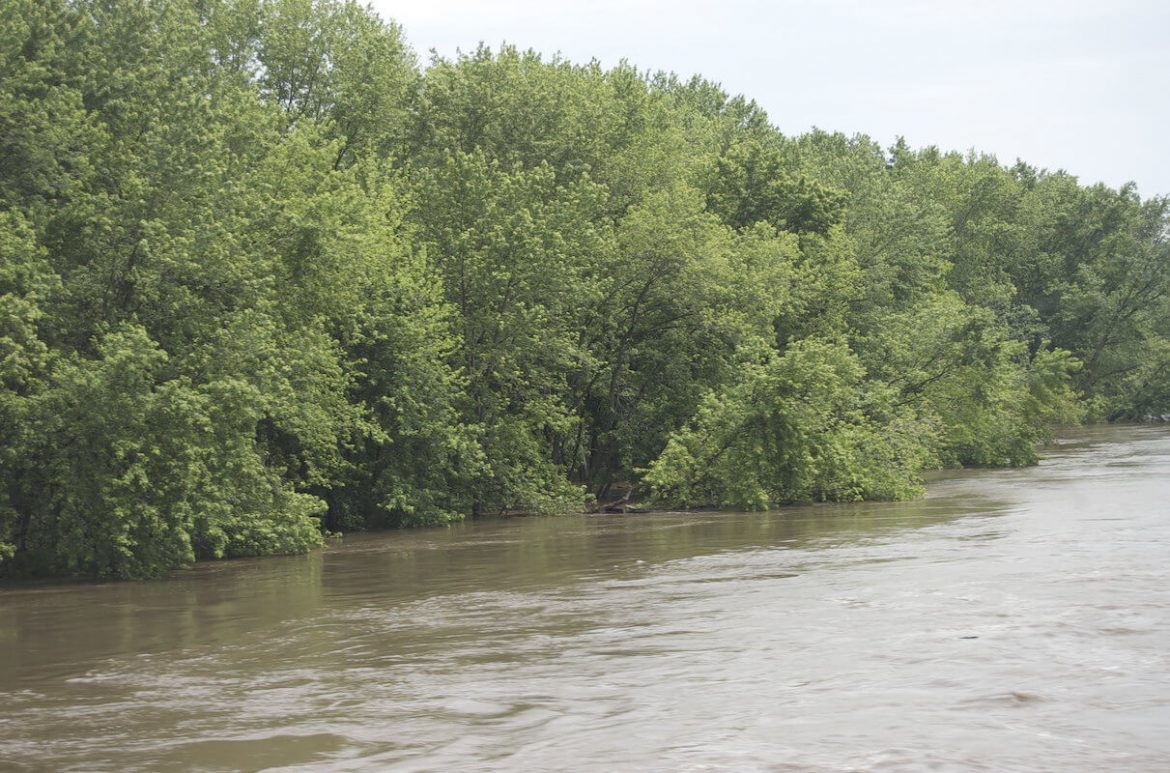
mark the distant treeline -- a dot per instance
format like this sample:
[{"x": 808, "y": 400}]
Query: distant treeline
[{"x": 263, "y": 277}]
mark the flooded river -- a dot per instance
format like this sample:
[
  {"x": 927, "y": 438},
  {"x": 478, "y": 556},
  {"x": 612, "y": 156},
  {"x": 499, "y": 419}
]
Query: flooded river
[{"x": 1010, "y": 621}]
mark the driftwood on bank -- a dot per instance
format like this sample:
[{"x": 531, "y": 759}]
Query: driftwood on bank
[{"x": 619, "y": 505}]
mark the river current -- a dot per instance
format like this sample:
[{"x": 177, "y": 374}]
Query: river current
[{"x": 1014, "y": 620}]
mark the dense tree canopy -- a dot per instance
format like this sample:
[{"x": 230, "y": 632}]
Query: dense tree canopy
[{"x": 262, "y": 278}]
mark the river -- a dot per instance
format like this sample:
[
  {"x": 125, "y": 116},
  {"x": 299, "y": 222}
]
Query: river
[{"x": 1014, "y": 620}]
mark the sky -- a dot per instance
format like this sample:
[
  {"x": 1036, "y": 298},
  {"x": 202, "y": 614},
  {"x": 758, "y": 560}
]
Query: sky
[{"x": 1061, "y": 84}]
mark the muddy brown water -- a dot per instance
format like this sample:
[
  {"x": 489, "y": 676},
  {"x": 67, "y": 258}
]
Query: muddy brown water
[{"x": 1011, "y": 620}]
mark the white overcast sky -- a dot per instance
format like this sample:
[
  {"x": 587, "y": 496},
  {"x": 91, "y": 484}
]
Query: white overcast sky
[{"x": 1063, "y": 84}]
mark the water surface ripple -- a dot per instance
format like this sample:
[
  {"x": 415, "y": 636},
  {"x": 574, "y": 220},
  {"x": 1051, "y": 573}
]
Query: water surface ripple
[{"x": 1010, "y": 621}]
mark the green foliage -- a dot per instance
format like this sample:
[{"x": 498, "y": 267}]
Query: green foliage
[
  {"x": 197, "y": 292},
  {"x": 797, "y": 427},
  {"x": 516, "y": 251},
  {"x": 262, "y": 279},
  {"x": 126, "y": 474},
  {"x": 338, "y": 66},
  {"x": 25, "y": 359},
  {"x": 751, "y": 184}
]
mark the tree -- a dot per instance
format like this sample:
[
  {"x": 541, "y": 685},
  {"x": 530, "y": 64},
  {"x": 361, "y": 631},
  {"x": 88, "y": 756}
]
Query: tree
[{"x": 795, "y": 427}]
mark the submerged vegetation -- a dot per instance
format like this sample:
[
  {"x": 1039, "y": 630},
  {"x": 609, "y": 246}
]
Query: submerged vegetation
[{"x": 263, "y": 277}]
